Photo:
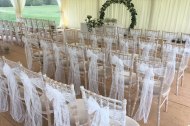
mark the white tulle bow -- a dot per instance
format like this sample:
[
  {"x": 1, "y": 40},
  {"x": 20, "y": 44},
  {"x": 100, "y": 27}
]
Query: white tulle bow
[
  {"x": 59, "y": 71},
  {"x": 28, "y": 52},
  {"x": 74, "y": 73},
  {"x": 17, "y": 109},
  {"x": 100, "y": 114},
  {"x": 93, "y": 72},
  {"x": 146, "y": 93},
  {"x": 3, "y": 95},
  {"x": 94, "y": 41},
  {"x": 32, "y": 101},
  {"x": 61, "y": 111},
  {"x": 117, "y": 87}
]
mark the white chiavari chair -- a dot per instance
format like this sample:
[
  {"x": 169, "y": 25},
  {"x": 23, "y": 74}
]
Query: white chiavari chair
[
  {"x": 17, "y": 110},
  {"x": 169, "y": 36},
  {"x": 33, "y": 50},
  {"x": 98, "y": 72},
  {"x": 62, "y": 101},
  {"x": 152, "y": 35},
  {"x": 61, "y": 62},
  {"x": 136, "y": 34},
  {"x": 77, "y": 66},
  {"x": 148, "y": 49},
  {"x": 104, "y": 111},
  {"x": 48, "y": 63},
  {"x": 154, "y": 80},
  {"x": 110, "y": 31},
  {"x": 123, "y": 78}
]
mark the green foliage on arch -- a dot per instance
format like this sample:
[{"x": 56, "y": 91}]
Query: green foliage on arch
[
  {"x": 91, "y": 23},
  {"x": 127, "y": 3}
]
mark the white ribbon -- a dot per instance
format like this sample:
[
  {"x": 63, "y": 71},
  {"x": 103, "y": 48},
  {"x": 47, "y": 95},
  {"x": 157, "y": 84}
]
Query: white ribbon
[
  {"x": 61, "y": 111},
  {"x": 146, "y": 93},
  {"x": 59, "y": 72},
  {"x": 28, "y": 52},
  {"x": 123, "y": 46},
  {"x": 100, "y": 114},
  {"x": 94, "y": 40},
  {"x": 93, "y": 72},
  {"x": 45, "y": 56},
  {"x": 108, "y": 42},
  {"x": 117, "y": 87},
  {"x": 32, "y": 101},
  {"x": 74, "y": 73},
  {"x": 48, "y": 67},
  {"x": 17, "y": 109},
  {"x": 3, "y": 95}
]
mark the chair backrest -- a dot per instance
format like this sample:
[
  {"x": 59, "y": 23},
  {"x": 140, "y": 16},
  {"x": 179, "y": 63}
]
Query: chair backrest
[
  {"x": 148, "y": 49},
  {"x": 115, "y": 109},
  {"x": 69, "y": 94},
  {"x": 170, "y": 36},
  {"x": 152, "y": 34}
]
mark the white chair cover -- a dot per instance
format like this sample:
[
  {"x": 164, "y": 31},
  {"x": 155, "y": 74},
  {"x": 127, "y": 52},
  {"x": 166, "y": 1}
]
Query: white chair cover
[
  {"x": 61, "y": 111},
  {"x": 17, "y": 109}
]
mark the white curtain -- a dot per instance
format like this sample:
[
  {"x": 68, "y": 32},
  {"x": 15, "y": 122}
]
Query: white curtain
[
  {"x": 170, "y": 15},
  {"x": 77, "y": 10},
  {"x": 18, "y": 6},
  {"x": 62, "y": 4}
]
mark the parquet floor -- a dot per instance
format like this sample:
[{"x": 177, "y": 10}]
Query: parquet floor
[{"x": 178, "y": 110}]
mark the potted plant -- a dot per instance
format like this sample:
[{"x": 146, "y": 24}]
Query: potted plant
[
  {"x": 113, "y": 21},
  {"x": 107, "y": 21}
]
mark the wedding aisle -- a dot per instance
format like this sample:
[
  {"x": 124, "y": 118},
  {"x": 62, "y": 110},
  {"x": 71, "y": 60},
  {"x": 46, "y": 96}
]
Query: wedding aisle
[{"x": 178, "y": 110}]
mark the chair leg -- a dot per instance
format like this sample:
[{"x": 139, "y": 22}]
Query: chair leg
[
  {"x": 158, "y": 114},
  {"x": 166, "y": 104},
  {"x": 177, "y": 84},
  {"x": 182, "y": 78}
]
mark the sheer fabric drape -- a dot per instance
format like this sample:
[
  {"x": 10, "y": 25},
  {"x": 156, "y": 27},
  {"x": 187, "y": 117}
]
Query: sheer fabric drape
[{"x": 18, "y": 6}]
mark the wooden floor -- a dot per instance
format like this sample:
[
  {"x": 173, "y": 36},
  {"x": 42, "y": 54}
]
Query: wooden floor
[{"x": 178, "y": 110}]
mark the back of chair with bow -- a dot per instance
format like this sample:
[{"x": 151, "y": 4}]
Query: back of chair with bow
[
  {"x": 63, "y": 101},
  {"x": 104, "y": 111}
]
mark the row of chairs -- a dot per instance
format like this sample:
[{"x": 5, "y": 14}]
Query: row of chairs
[
  {"x": 63, "y": 55},
  {"x": 11, "y": 31},
  {"x": 38, "y": 25},
  {"x": 45, "y": 98}
]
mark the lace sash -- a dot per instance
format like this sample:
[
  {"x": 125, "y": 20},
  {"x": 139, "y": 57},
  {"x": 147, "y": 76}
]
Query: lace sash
[
  {"x": 74, "y": 73},
  {"x": 61, "y": 111},
  {"x": 117, "y": 87},
  {"x": 17, "y": 110},
  {"x": 32, "y": 101}
]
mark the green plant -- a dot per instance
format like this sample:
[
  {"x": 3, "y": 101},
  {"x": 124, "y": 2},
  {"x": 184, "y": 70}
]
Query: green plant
[
  {"x": 92, "y": 23},
  {"x": 113, "y": 20},
  {"x": 107, "y": 20}
]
